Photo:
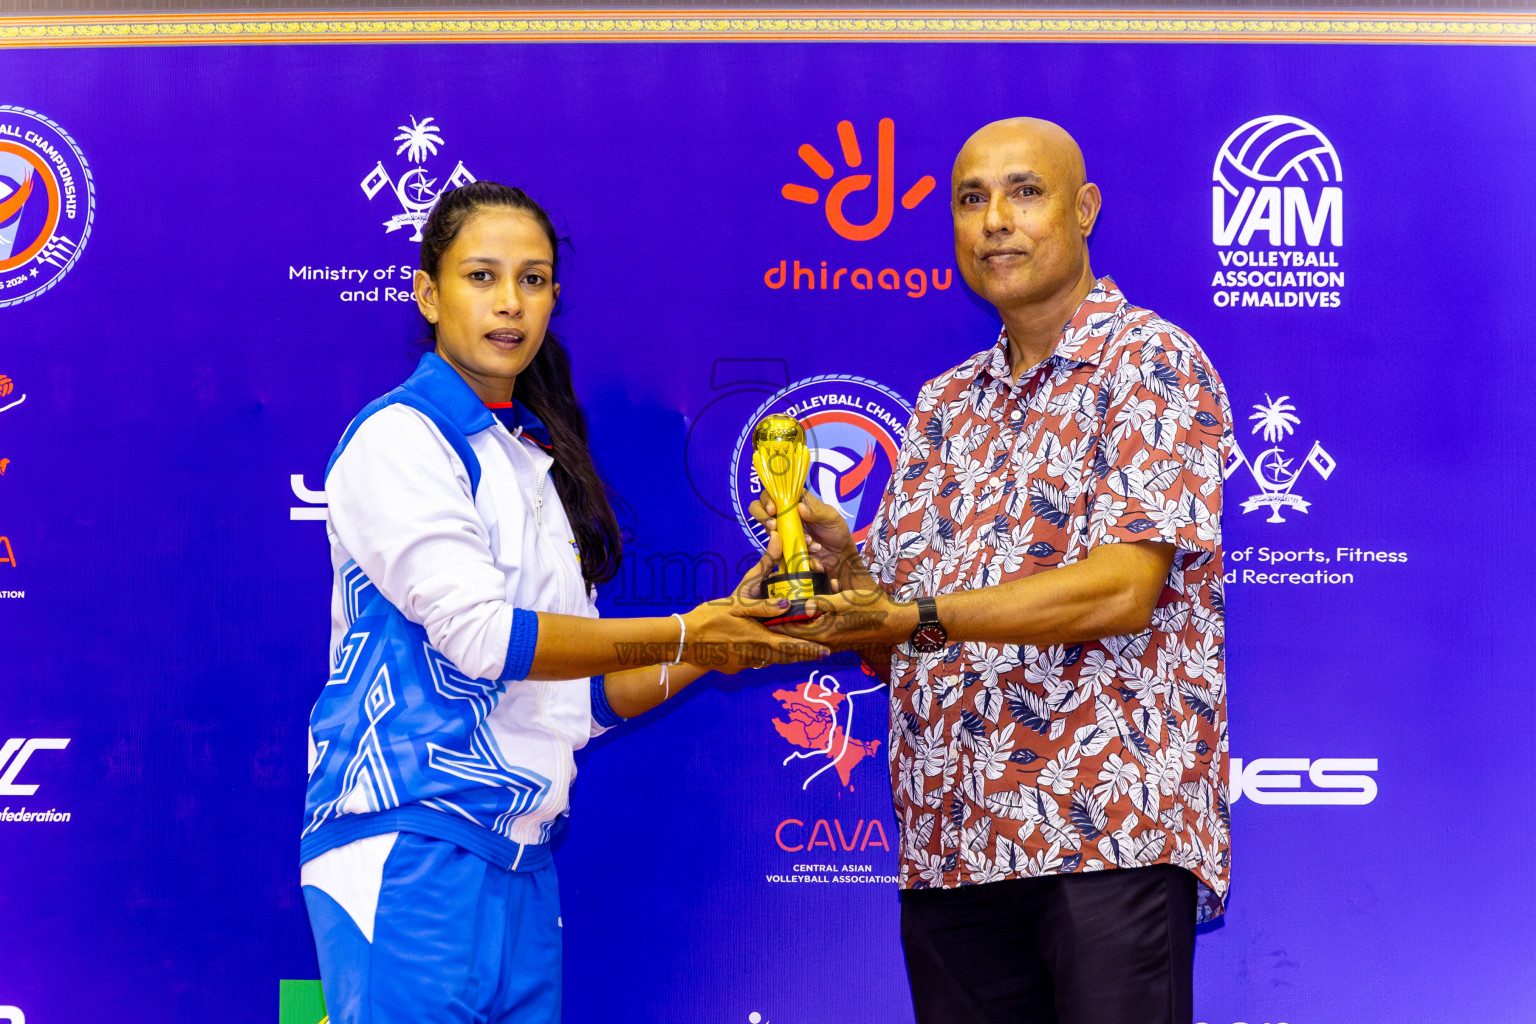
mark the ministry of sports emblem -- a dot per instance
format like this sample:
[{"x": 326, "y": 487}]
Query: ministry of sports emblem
[
  {"x": 415, "y": 188},
  {"x": 1275, "y": 419},
  {"x": 853, "y": 427},
  {"x": 47, "y": 204}
]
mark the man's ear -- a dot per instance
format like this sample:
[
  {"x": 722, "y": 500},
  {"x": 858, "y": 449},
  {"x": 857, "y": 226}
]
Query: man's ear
[
  {"x": 1089, "y": 202},
  {"x": 426, "y": 295}
]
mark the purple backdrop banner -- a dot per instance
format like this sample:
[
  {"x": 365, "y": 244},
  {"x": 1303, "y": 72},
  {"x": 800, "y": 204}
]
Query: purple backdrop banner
[{"x": 204, "y": 274}]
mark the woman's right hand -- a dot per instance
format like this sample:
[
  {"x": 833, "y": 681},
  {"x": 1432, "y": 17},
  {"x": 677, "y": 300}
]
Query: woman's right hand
[{"x": 728, "y": 635}]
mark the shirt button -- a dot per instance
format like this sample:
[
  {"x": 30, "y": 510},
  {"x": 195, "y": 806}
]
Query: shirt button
[{"x": 1016, "y": 415}]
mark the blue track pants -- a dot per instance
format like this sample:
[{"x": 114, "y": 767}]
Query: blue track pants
[{"x": 455, "y": 940}]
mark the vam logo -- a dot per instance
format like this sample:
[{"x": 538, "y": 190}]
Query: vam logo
[
  {"x": 810, "y": 276},
  {"x": 416, "y": 189},
  {"x": 1277, "y": 210},
  {"x": 47, "y": 204},
  {"x": 1276, "y": 418},
  {"x": 12, "y": 1015},
  {"x": 11, "y": 766}
]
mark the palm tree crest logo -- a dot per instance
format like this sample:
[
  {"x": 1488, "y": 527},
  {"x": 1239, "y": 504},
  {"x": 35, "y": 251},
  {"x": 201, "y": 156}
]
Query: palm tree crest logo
[
  {"x": 415, "y": 188},
  {"x": 1275, "y": 420}
]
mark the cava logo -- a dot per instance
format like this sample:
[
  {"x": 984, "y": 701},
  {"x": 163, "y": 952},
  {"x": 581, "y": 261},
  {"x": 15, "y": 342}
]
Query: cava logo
[
  {"x": 1273, "y": 471},
  {"x": 415, "y": 189},
  {"x": 1277, "y": 216},
  {"x": 47, "y": 203}
]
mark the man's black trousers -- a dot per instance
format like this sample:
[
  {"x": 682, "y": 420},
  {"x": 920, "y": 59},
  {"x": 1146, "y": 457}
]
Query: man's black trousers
[{"x": 1106, "y": 947}]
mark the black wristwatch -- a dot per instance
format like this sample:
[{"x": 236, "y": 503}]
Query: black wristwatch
[{"x": 929, "y": 636}]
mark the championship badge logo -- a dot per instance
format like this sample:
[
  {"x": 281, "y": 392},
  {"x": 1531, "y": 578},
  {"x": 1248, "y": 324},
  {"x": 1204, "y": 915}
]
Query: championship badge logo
[
  {"x": 1274, "y": 472},
  {"x": 415, "y": 188},
  {"x": 853, "y": 427},
  {"x": 47, "y": 204}
]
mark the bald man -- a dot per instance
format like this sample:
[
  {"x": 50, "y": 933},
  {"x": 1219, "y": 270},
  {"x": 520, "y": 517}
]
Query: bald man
[{"x": 1042, "y": 588}]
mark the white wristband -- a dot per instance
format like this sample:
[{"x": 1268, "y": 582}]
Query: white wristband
[{"x": 681, "y": 637}]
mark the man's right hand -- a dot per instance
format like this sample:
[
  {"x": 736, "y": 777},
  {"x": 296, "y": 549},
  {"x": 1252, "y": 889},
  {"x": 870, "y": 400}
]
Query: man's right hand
[{"x": 827, "y": 537}]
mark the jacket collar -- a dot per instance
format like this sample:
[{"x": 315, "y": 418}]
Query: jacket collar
[
  {"x": 520, "y": 418},
  {"x": 441, "y": 385}
]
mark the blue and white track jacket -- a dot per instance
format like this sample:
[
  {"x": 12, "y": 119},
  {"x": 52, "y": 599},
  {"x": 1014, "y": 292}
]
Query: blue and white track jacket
[{"x": 447, "y": 536}]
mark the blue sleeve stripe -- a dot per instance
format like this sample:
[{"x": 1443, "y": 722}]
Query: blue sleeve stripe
[
  {"x": 520, "y": 644},
  {"x": 602, "y": 713}
]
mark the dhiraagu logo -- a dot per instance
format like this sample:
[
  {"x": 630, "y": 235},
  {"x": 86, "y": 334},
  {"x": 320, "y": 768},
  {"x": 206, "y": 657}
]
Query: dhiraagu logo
[
  {"x": 884, "y": 180},
  {"x": 860, "y": 184},
  {"x": 300, "y": 1002}
]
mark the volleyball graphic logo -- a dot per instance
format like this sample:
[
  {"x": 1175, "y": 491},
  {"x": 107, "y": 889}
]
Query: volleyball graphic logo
[
  {"x": 1276, "y": 149},
  {"x": 1277, "y": 177},
  {"x": 47, "y": 204},
  {"x": 854, "y": 428}
]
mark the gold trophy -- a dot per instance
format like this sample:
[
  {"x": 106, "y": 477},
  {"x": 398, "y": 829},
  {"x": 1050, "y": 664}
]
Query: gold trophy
[{"x": 782, "y": 460}]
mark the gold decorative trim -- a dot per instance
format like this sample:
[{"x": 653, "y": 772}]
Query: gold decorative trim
[{"x": 1215, "y": 26}]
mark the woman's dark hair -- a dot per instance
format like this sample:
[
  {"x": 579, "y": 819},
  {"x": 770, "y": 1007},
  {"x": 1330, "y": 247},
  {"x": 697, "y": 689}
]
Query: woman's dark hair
[{"x": 544, "y": 386}]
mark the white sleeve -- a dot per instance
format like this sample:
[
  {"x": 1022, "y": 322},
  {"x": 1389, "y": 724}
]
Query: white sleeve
[{"x": 400, "y": 505}]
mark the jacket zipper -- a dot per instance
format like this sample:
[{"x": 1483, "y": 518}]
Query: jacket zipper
[{"x": 562, "y": 783}]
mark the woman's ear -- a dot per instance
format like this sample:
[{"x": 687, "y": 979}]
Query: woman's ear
[{"x": 426, "y": 295}]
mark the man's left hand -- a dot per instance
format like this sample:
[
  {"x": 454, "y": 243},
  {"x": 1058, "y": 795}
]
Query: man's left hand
[{"x": 856, "y": 620}]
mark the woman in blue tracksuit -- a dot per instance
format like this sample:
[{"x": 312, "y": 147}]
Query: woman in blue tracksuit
[{"x": 468, "y": 530}]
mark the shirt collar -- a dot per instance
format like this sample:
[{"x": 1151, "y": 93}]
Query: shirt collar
[
  {"x": 1083, "y": 338},
  {"x": 441, "y": 385}
]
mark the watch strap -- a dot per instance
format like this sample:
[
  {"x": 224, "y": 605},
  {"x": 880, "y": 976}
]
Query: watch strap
[{"x": 927, "y": 612}]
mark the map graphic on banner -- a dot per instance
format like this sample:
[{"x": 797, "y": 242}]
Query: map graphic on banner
[{"x": 819, "y": 719}]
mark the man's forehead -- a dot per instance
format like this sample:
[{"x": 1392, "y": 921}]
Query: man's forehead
[{"x": 1009, "y": 150}]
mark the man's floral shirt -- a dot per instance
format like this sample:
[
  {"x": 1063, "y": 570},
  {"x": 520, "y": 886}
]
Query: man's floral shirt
[{"x": 1013, "y": 761}]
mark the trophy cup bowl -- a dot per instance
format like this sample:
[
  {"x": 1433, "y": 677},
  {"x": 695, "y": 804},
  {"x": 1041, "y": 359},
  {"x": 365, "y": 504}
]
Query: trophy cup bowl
[{"x": 782, "y": 460}]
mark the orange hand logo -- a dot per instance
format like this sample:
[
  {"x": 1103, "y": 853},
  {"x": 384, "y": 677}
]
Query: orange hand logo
[{"x": 885, "y": 187}]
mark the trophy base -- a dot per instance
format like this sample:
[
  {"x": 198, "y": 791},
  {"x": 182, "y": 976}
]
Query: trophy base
[{"x": 798, "y": 610}]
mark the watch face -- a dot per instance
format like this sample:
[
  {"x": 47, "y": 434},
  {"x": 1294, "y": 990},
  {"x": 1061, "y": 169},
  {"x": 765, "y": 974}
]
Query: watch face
[{"x": 928, "y": 639}]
